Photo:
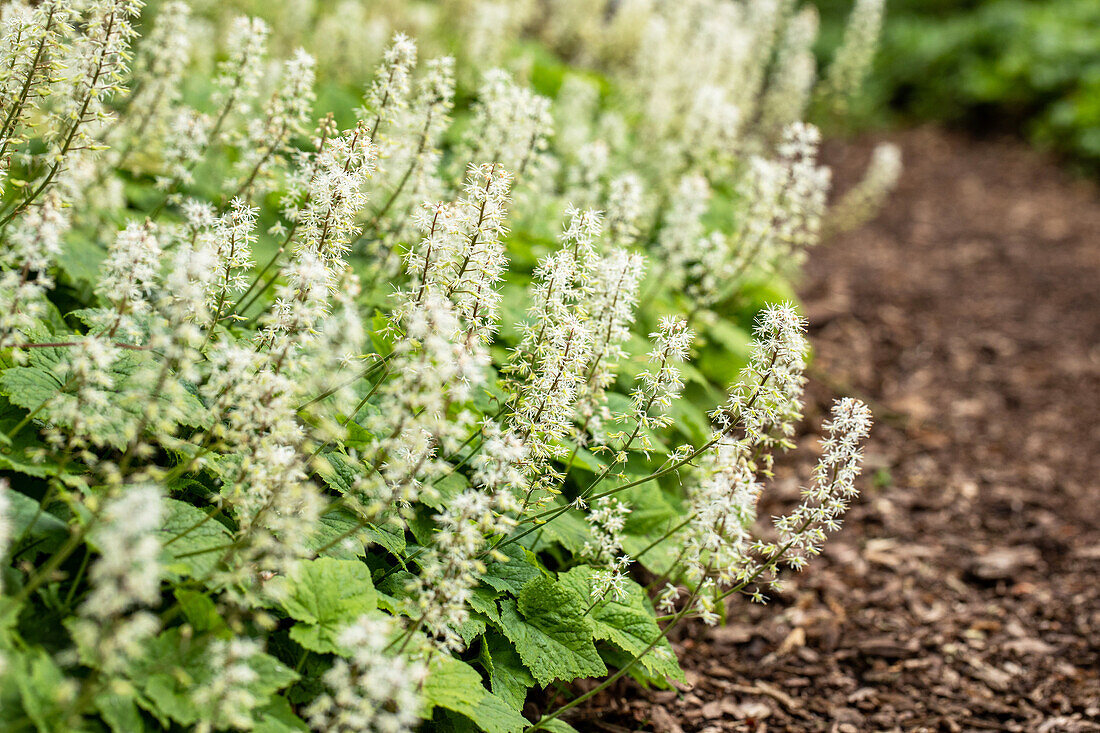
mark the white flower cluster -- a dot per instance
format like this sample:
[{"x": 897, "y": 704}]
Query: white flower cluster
[
  {"x": 125, "y": 579},
  {"x": 862, "y": 201},
  {"x": 451, "y": 565},
  {"x": 659, "y": 385},
  {"x": 461, "y": 256},
  {"x": 853, "y": 59},
  {"x": 287, "y": 398},
  {"x": 511, "y": 125},
  {"x": 373, "y": 691},
  {"x": 802, "y": 532}
]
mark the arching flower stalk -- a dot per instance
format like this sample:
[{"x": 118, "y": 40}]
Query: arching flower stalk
[
  {"x": 369, "y": 688},
  {"x": 113, "y": 626},
  {"x": 433, "y": 369},
  {"x": 161, "y": 61},
  {"x": 792, "y": 78},
  {"x": 863, "y": 201},
  {"x": 95, "y": 70},
  {"x": 853, "y": 58},
  {"x": 511, "y": 126},
  {"x": 461, "y": 256},
  {"x": 411, "y": 155},
  {"x": 388, "y": 94},
  {"x": 32, "y": 44},
  {"x": 267, "y": 138},
  {"x": 337, "y": 196},
  {"x": 609, "y": 302},
  {"x": 238, "y": 78}
]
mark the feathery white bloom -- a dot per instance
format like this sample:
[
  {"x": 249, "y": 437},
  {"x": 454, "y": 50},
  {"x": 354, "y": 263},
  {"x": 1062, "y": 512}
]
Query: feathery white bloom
[
  {"x": 607, "y": 519},
  {"x": 267, "y": 137},
  {"x": 300, "y": 304},
  {"x": 162, "y": 58},
  {"x": 560, "y": 282},
  {"x": 767, "y": 402},
  {"x": 451, "y": 566},
  {"x": 861, "y": 202},
  {"x": 802, "y": 532},
  {"x": 32, "y": 247},
  {"x": 683, "y": 229},
  {"x": 389, "y": 92},
  {"x": 127, "y": 573},
  {"x": 128, "y": 277},
  {"x": 510, "y": 126},
  {"x": 625, "y": 208},
  {"x": 95, "y": 72},
  {"x": 609, "y": 302},
  {"x": 88, "y": 406},
  {"x": 793, "y": 76},
  {"x": 230, "y": 237},
  {"x": 238, "y": 78},
  {"x": 785, "y": 200},
  {"x": 31, "y": 44},
  {"x": 226, "y": 699},
  {"x": 372, "y": 691},
  {"x": 336, "y": 197},
  {"x": 853, "y": 58},
  {"x": 409, "y": 156},
  {"x": 434, "y": 367},
  {"x": 461, "y": 256},
  {"x": 607, "y": 522},
  {"x": 497, "y": 464},
  {"x": 185, "y": 140},
  {"x": 659, "y": 385},
  {"x": 544, "y": 408}
]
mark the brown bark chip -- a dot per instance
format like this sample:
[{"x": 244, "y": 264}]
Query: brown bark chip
[{"x": 963, "y": 593}]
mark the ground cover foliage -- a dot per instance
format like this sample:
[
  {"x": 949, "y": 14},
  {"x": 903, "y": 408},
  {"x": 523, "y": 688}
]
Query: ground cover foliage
[
  {"x": 377, "y": 388},
  {"x": 1021, "y": 66}
]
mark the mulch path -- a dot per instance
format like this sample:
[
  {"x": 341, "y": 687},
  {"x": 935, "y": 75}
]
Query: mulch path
[{"x": 963, "y": 593}]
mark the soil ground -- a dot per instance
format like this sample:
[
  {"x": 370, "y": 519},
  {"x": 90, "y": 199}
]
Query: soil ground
[{"x": 963, "y": 593}]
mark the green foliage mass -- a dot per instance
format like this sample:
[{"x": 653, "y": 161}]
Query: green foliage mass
[{"x": 1024, "y": 66}]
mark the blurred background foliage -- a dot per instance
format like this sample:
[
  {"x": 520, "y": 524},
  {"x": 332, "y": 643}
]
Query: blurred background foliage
[{"x": 1030, "y": 67}]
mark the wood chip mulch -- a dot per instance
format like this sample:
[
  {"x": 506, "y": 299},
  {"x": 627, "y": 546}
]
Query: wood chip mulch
[{"x": 963, "y": 593}]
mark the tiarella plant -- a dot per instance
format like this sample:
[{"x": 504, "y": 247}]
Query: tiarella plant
[{"x": 364, "y": 404}]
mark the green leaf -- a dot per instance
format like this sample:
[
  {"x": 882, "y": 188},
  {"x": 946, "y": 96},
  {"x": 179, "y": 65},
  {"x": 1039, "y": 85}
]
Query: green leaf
[
  {"x": 326, "y": 595},
  {"x": 340, "y": 473},
  {"x": 446, "y": 489},
  {"x": 513, "y": 574},
  {"x": 29, "y": 387},
  {"x": 394, "y": 594},
  {"x": 119, "y": 710},
  {"x": 390, "y": 536},
  {"x": 508, "y": 677},
  {"x": 174, "y": 666},
  {"x": 473, "y": 627},
  {"x": 41, "y": 383},
  {"x": 483, "y": 600},
  {"x": 456, "y": 686},
  {"x": 550, "y": 632},
  {"x": 201, "y": 613},
  {"x": 338, "y": 524},
  {"x": 196, "y": 553},
  {"x": 628, "y": 624},
  {"x": 23, "y": 510},
  {"x": 40, "y": 683},
  {"x": 569, "y": 529},
  {"x": 19, "y": 453},
  {"x": 279, "y": 717}
]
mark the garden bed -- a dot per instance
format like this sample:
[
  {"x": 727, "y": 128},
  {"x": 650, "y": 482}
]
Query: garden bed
[{"x": 963, "y": 593}]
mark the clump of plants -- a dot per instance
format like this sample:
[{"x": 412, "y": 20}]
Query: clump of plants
[{"x": 387, "y": 414}]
